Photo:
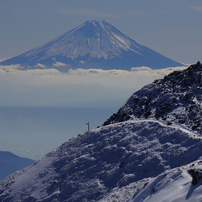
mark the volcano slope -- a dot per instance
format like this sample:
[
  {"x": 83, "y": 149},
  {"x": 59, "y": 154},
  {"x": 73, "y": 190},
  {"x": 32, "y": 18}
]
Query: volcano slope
[
  {"x": 94, "y": 44},
  {"x": 129, "y": 148}
]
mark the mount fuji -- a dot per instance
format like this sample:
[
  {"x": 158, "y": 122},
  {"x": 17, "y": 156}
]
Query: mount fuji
[
  {"x": 94, "y": 44},
  {"x": 150, "y": 150}
]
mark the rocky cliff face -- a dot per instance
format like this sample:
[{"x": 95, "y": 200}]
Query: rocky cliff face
[{"x": 175, "y": 99}]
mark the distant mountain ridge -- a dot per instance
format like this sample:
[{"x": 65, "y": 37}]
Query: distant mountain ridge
[
  {"x": 10, "y": 163},
  {"x": 139, "y": 154},
  {"x": 94, "y": 44}
]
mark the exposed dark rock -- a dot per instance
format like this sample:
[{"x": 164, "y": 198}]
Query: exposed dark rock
[
  {"x": 178, "y": 97},
  {"x": 196, "y": 175}
]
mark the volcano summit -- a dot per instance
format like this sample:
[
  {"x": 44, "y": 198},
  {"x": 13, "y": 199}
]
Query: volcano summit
[{"x": 94, "y": 44}]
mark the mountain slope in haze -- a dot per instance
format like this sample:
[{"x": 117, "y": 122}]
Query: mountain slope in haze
[
  {"x": 87, "y": 167},
  {"x": 177, "y": 98},
  {"x": 94, "y": 44},
  {"x": 128, "y": 153},
  {"x": 10, "y": 163}
]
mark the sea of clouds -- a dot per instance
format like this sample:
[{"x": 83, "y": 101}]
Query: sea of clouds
[{"x": 80, "y": 87}]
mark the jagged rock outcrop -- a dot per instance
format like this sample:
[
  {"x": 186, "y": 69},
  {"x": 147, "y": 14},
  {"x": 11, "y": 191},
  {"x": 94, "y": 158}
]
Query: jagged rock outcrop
[{"x": 177, "y": 98}]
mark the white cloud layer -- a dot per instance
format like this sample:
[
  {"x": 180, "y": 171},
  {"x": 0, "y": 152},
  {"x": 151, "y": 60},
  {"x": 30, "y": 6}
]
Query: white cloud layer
[
  {"x": 78, "y": 87},
  {"x": 58, "y": 64},
  {"x": 40, "y": 65},
  {"x": 138, "y": 76},
  {"x": 110, "y": 78}
]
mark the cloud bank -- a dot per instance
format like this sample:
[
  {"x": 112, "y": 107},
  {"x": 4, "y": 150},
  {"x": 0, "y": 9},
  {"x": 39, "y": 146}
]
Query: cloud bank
[
  {"x": 109, "y": 78},
  {"x": 80, "y": 87}
]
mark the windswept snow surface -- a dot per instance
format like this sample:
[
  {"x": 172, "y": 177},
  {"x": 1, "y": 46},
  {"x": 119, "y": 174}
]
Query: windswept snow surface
[
  {"x": 173, "y": 185},
  {"x": 94, "y": 44},
  {"x": 89, "y": 166}
]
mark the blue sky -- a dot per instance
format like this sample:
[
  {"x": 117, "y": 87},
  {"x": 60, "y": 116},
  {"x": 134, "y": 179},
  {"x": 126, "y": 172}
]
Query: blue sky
[{"x": 170, "y": 27}]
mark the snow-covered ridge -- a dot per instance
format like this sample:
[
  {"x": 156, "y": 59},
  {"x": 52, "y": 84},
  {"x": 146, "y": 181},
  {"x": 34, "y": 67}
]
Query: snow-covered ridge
[
  {"x": 91, "y": 165},
  {"x": 150, "y": 150},
  {"x": 172, "y": 185},
  {"x": 175, "y": 99}
]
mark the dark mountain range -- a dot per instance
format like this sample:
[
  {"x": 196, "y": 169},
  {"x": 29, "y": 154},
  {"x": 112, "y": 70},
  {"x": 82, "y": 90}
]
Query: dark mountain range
[
  {"x": 10, "y": 163},
  {"x": 139, "y": 154},
  {"x": 94, "y": 44}
]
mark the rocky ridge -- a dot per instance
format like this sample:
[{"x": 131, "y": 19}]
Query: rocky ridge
[{"x": 177, "y": 98}]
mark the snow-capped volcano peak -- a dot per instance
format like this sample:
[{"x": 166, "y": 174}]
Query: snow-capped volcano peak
[
  {"x": 94, "y": 44},
  {"x": 98, "y": 39}
]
